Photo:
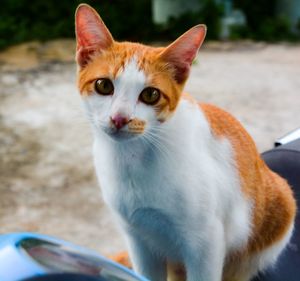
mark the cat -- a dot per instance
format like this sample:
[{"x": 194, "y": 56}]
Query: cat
[{"x": 184, "y": 179}]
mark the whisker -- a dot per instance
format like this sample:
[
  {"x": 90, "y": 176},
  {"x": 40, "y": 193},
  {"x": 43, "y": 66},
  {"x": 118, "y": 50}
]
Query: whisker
[{"x": 158, "y": 143}]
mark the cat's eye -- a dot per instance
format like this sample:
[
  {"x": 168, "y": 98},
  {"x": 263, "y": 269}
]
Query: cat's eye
[
  {"x": 150, "y": 96},
  {"x": 104, "y": 87}
]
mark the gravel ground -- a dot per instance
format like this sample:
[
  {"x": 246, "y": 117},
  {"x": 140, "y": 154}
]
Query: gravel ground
[{"x": 47, "y": 181}]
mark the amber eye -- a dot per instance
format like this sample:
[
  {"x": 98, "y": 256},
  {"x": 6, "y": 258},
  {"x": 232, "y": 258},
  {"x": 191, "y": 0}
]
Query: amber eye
[
  {"x": 104, "y": 87},
  {"x": 150, "y": 96}
]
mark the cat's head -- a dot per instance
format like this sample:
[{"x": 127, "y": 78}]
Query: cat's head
[{"x": 129, "y": 88}]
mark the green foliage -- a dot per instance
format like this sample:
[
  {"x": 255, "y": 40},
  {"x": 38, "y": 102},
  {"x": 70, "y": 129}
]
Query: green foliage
[
  {"x": 263, "y": 22},
  {"x": 239, "y": 31},
  {"x": 271, "y": 30},
  {"x": 209, "y": 13},
  {"x": 298, "y": 26},
  {"x": 22, "y": 20},
  {"x": 256, "y": 12},
  {"x": 274, "y": 29}
]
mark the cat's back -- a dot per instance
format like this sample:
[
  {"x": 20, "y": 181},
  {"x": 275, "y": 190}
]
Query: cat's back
[{"x": 273, "y": 202}]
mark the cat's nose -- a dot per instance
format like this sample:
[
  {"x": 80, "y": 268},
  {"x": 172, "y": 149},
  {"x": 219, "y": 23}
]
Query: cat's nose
[{"x": 119, "y": 121}]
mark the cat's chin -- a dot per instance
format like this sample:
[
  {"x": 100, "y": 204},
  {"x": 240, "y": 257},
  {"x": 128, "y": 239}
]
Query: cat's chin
[{"x": 120, "y": 136}]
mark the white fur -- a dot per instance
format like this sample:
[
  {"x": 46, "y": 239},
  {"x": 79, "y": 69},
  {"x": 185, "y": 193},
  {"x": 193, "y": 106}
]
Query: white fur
[
  {"x": 175, "y": 190},
  {"x": 129, "y": 83}
]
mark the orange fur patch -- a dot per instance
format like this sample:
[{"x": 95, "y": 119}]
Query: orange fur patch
[
  {"x": 136, "y": 126},
  {"x": 176, "y": 272},
  {"x": 274, "y": 206},
  {"x": 122, "y": 258}
]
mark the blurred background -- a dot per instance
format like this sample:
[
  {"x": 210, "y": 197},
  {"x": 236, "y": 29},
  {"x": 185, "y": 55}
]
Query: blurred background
[{"x": 249, "y": 65}]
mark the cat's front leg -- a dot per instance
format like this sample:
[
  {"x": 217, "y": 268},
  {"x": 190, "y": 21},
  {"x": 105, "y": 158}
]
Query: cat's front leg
[
  {"x": 205, "y": 262},
  {"x": 145, "y": 261}
]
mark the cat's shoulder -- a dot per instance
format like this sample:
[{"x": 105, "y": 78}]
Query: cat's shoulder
[
  {"x": 213, "y": 112},
  {"x": 224, "y": 124},
  {"x": 221, "y": 122},
  {"x": 219, "y": 119}
]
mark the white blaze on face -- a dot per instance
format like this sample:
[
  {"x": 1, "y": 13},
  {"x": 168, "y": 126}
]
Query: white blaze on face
[{"x": 128, "y": 85}]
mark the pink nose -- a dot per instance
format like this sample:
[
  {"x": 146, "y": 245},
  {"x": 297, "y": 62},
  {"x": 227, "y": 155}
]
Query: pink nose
[{"x": 119, "y": 121}]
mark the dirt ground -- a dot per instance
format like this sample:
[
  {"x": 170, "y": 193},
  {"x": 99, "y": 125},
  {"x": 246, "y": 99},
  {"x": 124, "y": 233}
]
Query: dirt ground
[{"x": 47, "y": 181}]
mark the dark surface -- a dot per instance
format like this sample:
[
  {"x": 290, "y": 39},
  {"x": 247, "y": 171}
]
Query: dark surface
[{"x": 285, "y": 160}]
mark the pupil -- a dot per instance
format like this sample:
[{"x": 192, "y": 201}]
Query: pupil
[{"x": 105, "y": 86}]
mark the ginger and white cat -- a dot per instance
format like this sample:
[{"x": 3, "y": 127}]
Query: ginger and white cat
[{"x": 194, "y": 198}]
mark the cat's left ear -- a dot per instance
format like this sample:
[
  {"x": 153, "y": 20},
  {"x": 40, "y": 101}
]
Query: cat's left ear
[
  {"x": 91, "y": 34},
  {"x": 181, "y": 53}
]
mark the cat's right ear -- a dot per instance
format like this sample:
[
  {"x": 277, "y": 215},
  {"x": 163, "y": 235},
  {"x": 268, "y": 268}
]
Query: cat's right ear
[
  {"x": 181, "y": 53},
  {"x": 91, "y": 34}
]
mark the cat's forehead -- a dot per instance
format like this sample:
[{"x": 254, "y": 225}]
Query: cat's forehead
[
  {"x": 126, "y": 60},
  {"x": 130, "y": 71},
  {"x": 131, "y": 57},
  {"x": 123, "y": 52}
]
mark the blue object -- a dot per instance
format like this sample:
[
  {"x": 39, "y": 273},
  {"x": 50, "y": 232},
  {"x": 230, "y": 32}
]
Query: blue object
[{"x": 28, "y": 256}]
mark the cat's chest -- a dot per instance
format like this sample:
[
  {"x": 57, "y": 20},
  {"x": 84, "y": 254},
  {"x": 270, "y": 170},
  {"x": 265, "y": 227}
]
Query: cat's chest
[{"x": 138, "y": 181}]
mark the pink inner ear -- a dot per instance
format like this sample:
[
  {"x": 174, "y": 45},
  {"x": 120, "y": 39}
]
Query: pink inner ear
[
  {"x": 181, "y": 53},
  {"x": 84, "y": 37},
  {"x": 91, "y": 33},
  {"x": 83, "y": 55},
  {"x": 182, "y": 69}
]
